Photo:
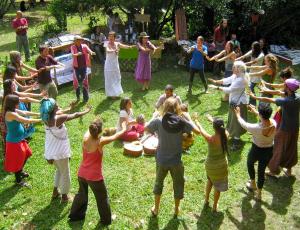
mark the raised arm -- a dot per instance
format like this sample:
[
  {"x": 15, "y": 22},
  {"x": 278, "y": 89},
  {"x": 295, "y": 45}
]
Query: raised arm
[
  {"x": 29, "y": 100},
  {"x": 107, "y": 140},
  {"x": 123, "y": 46},
  {"x": 203, "y": 132}
]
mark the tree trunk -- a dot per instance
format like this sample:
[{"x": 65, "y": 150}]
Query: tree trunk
[{"x": 4, "y": 7}]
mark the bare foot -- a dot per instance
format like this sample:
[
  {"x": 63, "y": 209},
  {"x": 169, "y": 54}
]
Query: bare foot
[
  {"x": 65, "y": 198},
  {"x": 55, "y": 194},
  {"x": 154, "y": 212}
]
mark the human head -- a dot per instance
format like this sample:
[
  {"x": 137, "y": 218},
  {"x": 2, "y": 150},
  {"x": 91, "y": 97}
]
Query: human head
[
  {"x": 229, "y": 47},
  {"x": 224, "y": 23},
  {"x": 256, "y": 49},
  {"x": 272, "y": 61},
  {"x": 78, "y": 40},
  {"x": 48, "y": 109},
  {"x": 169, "y": 91},
  {"x": 9, "y": 73},
  {"x": 171, "y": 105},
  {"x": 44, "y": 50},
  {"x": 233, "y": 36},
  {"x": 200, "y": 40},
  {"x": 19, "y": 14},
  {"x": 125, "y": 104},
  {"x": 143, "y": 38},
  {"x": 291, "y": 86},
  {"x": 11, "y": 103},
  {"x": 15, "y": 58},
  {"x": 219, "y": 127},
  {"x": 95, "y": 128},
  {"x": 286, "y": 73},
  {"x": 239, "y": 68},
  {"x": 264, "y": 110},
  {"x": 111, "y": 36},
  {"x": 8, "y": 87}
]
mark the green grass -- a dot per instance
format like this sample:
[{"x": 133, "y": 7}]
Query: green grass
[{"x": 130, "y": 180}]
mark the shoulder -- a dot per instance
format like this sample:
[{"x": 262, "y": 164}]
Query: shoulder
[{"x": 123, "y": 113}]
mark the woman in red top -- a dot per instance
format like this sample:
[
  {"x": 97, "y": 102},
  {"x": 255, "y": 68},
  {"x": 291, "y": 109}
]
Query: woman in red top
[{"x": 90, "y": 174}]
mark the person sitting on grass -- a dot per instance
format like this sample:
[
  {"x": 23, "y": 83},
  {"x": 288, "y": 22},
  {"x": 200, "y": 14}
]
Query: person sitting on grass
[
  {"x": 90, "y": 173},
  {"x": 262, "y": 144},
  {"x": 216, "y": 164},
  {"x": 57, "y": 144},
  {"x": 169, "y": 128},
  {"x": 134, "y": 129}
]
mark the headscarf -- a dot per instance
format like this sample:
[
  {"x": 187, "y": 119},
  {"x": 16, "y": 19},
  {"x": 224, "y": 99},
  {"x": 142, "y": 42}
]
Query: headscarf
[
  {"x": 292, "y": 84},
  {"x": 47, "y": 106}
]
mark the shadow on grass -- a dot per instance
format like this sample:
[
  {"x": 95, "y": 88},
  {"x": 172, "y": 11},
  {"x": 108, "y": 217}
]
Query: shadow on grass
[
  {"x": 234, "y": 157},
  {"x": 193, "y": 98},
  {"x": 282, "y": 191},
  {"x": 253, "y": 217},
  {"x": 49, "y": 215},
  {"x": 7, "y": 194},
  {"x": 78, "y": 225},
  {"x": 209, "y": 220},
  {"x": 153, "y": 223}
]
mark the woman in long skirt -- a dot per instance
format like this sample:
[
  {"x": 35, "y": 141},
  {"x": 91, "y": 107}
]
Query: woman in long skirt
[
  {"x": 143, "y": 66},
  {"x": 113, "y": 87}
]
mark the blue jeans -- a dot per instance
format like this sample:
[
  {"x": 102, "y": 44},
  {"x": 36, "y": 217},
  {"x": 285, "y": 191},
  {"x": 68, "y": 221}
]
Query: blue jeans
[
  {"x": 22, "y": 41},
  {"x": 81, "y": 75}
]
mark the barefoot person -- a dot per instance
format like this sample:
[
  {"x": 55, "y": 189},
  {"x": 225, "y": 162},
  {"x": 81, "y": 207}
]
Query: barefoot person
[
  {"x": 90, "y": 174},
  {"x": 262, "y": 144},
  {"x": 17, "y": 149},
  {"x": 112, "y": 75},
  {"x": 216, "y": 164},
  {"x": 57, "y": 144},
  {"x": 170, "y": 128},
  {"x": 198, "y": 51},
  {"x": 143, "y": 66},
  {"x": 285, "y": 153}
]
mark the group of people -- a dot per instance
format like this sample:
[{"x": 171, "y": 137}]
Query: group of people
[{"x": 274, "y": 141}]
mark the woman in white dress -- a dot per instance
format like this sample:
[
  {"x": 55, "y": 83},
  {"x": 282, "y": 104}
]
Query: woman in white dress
[{"x": 113, "y": 87}]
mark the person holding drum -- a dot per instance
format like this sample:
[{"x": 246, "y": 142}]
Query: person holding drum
[{"x": 169, "y": 128}]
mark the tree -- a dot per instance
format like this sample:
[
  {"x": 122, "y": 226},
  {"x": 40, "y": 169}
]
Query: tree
[{"x": 4, "y": 7}]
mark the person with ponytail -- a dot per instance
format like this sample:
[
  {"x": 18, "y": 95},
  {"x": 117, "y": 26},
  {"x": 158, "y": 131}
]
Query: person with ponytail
[
  {"x": 261, "y": 151},
  {"x": 216, "y": 164},
  {"x": 57, "y": 144},
  {"x": 17, "y": 149},
  {"x": 90, "y": 173}
]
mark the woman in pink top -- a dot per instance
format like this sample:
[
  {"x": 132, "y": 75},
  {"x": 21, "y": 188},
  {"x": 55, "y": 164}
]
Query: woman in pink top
[{"x": 90, "y": 174}]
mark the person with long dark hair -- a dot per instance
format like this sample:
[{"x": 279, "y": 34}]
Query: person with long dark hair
[
  {"x": 262, "y": 144},
  {"x": 216, "y": 164},
  {"x": 17, "y": 149},
  {"x": 90, "y": 173},
  {"x": 57, "y": 144},
  {"x": 257, "y": 58}
]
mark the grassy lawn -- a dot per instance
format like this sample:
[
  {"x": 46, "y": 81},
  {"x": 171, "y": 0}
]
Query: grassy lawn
[{"x": 130, "y": 180}]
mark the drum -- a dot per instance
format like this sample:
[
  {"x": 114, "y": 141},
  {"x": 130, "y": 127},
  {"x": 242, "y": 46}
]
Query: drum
[
  {"x": 150, "y": 145},
  {"x": 134, "y": 149}
]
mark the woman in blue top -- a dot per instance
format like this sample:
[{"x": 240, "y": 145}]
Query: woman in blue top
[
  {"x": 17, "y": 149},
  {"x": 198, "y": 51}
]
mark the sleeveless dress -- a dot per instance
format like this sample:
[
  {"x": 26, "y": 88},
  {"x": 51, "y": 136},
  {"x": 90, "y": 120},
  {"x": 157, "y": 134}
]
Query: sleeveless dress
[
  {"x": 57, "y": 144},
  {"x": 112, "y": 75},
  {"x": 17, "y": 149},
  {"x": 216, "y": 167},
  {"x": 143, "y": 66}
]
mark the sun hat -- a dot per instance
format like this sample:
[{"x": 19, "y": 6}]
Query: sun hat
[
  {"x": 292, "y": 84},
  {"x": 78, "y": 37},
  {"x": 144, "y": 35}
]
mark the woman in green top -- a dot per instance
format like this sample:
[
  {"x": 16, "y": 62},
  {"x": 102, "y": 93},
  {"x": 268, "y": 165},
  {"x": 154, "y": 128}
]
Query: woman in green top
[{"x": 216, "y": 165}]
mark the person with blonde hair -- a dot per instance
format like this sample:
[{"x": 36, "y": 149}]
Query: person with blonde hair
[
  {"x": 237, "y": 97},
  {"x": 169, "y": 128}
]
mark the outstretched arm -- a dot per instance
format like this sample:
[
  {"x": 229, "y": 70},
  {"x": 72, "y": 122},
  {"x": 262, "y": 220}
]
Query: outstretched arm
[{"x": 107, "y": 140}]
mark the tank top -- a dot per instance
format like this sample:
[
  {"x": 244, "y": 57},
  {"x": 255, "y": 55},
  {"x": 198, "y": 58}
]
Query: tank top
[
  {"x": 15, "y": 131},
  {"x": 228, "y": 64},
  {"x": 57, "y": 144},
  {"x": 91, "y": 166}
]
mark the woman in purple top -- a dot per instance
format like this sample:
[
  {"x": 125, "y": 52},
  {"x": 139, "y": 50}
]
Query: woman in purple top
[{"x": 143, "y": 66}]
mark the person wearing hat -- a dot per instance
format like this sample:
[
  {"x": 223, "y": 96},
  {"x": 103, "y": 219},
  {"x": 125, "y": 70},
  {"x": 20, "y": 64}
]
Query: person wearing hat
[
  {"x": 285, "y": 154},
  {"x": 57, "y": 144},
  {"x": 143, "y": 66},
  {"x": 81, "y": 61},
  {"x": 170, "y": 128}
]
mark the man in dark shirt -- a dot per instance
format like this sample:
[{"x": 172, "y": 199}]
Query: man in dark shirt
[{"x": 44, "y": 63}]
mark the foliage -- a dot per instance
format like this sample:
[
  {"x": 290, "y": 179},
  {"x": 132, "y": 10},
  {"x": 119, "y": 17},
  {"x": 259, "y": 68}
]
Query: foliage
[{"x": 4, "y": 7}]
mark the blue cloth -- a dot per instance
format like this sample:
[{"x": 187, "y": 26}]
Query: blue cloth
[
  {"x": 290, "y": 113},
  {"x": 197, "y": 61},
  {"x": 29, "y": 129},
  {"x": 169, "y": 148},
  {"x": 47, "y": 106},
  {"x": 15, "y": 131}
]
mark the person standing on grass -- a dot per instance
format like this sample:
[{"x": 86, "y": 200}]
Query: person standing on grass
[
  {"x": 90, "y": 174},
  {"x": 285, "y": 153},
  {"x": 44, "y": 63},
  {"x": 216, "y": 164},
  {"x": 112, "y": 75},
  {"x": 262, "y": 144},
  {"x": 20, "y": 25},
  {"x": 170, "y": 128},
  {"x": 198, "y": 51},
  {"x": 143, "y": 66},
  {"x": 237, "y": 97},
  {"x": 17, "y": 150},
  {"x": 81, "y": 61},
  {"x": 257, "y": 58},
  {"x": 57, "y": 144}
]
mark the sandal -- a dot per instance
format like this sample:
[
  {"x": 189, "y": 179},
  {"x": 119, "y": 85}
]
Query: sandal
[{"x": 250, "y": 187}]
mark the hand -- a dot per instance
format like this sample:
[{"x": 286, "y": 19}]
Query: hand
[
  {"x": 251, "y": 95},
  {"x": 237, "y": 111},
  {"x": 213, "y": 86},
  {"x": 79, "y": 53},
  {"x": 251, "y": 108},
  {"x": 212, "y": 80}
]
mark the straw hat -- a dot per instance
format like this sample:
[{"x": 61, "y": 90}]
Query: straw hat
[
  {"x": 78, "y": 37},
  {"x": 144, "y": 35}
]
